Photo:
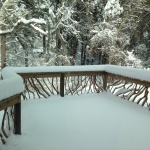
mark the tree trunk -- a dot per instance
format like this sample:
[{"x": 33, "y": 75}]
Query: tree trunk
[
  {"x": 3, "y": 51},
  {"x": 25, "y": 48},
  {"x": 44, "y": 43}
]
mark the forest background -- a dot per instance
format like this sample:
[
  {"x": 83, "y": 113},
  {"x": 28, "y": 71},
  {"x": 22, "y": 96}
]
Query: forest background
[{"x": 75, "y": 32}]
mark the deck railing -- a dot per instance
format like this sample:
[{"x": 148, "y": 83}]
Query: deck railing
[
  {"x": 56, "y": 83},
  {"x": 42, "y": 82}
]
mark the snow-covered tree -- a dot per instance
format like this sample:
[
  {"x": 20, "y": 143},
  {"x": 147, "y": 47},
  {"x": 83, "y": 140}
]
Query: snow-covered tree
[
  {"x": 60, "y": 24},
  {"x": 112, "y": 9},
  {"x": 70, "y": 32},
  {"x": 13, "y": 16},
  {"x": 106, "y": 38},
  {"x": 136, "y": 24}
]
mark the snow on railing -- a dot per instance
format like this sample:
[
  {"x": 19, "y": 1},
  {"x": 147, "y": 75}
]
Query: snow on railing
[
  {"x": 11, "y": 84},
  {"x": 14, "y": 83},
  {"x": 128, "y": 83},
  {"x": 133, "y": 73}
]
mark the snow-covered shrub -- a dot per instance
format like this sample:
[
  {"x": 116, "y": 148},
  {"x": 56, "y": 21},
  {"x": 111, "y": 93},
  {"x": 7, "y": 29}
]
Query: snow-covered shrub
[{"x": 112, "y": 9}]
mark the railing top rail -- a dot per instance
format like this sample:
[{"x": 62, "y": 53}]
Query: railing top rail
[
  {"x": 58, "y": 74},
  {"x": 132, "y": 73},
  {"x": 58, "y": 69}
]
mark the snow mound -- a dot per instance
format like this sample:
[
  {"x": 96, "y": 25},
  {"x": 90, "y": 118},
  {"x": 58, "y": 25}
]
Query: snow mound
[{"x": 11, "y": 84}]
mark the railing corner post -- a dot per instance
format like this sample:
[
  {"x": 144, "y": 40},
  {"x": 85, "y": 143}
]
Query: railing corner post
[
  {"x": 17, "y": 117},
  {"x": 62, "y": 85}
]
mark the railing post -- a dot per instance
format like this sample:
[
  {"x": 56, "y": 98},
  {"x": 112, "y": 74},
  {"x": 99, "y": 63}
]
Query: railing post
[
  {"x": 17, "y": 118},
  {"x": 105, "y": 78},
  {"x": 62, "y": 85}
]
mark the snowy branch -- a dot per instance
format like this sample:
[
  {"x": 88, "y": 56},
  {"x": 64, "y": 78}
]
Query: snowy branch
[
  {"x": 38, "y": 29},
  {"x": 23, "y": 22}
]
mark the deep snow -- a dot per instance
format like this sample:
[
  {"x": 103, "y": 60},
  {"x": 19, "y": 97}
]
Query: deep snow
[{"x": 86, "y": 122}]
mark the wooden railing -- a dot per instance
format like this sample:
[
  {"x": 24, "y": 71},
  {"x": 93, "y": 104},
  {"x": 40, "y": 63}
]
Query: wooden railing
[
  {"x": 39, "y": 85},
  {"x": 75, "y": 82}
]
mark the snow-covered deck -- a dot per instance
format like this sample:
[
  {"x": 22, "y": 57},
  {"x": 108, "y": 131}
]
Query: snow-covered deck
[{"x": 86, "y": 122}]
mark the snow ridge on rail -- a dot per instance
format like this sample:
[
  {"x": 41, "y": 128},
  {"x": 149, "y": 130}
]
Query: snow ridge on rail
[
  {"x": 11, "y": 84},
  {"x": 133, "y": 73}
]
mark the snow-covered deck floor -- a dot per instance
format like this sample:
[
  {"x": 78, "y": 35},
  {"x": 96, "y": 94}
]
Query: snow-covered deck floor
[{"x": 86, "y": 122}]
